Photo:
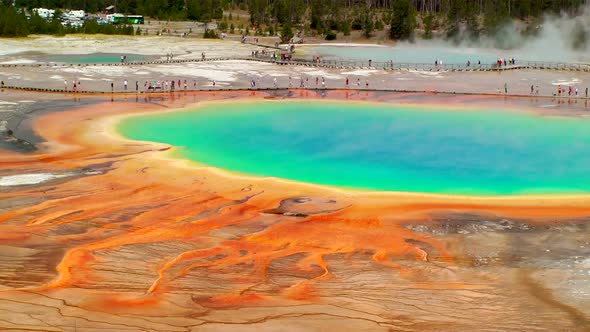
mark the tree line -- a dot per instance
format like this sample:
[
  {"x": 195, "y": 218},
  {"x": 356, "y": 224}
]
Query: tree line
[
  {"x": 456, "y": 19},
  {"x": 14, "y": 23},
  {"x": 403, "y": 16},
  {"x": 199, "y": 10},
  {"x": 294, "y": 11}
]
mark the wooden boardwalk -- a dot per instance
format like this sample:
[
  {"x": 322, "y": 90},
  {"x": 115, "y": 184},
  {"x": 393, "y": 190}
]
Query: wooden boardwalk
[
  {"x": 348, "y": 65},
  {"x": 268, "y": 46},
  {"x": 277, "y": 89}
]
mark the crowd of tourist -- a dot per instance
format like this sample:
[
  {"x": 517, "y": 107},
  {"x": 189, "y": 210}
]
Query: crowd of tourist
[
  {"x": 305, "y": 82},
  {"x": 317, "y": 82},
  {"x": 504, "y": 62},
  {"x": 572, "y": 91}
]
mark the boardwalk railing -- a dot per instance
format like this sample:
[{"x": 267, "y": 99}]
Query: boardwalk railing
[
  {"x": 558, "y": 65},
  {"x": 391, "y": 65},
  {"x": 278, "y": 48},
  {"x": 342, "y": 64}
]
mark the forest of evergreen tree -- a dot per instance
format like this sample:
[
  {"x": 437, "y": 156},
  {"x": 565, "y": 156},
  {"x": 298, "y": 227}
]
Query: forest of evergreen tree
[{"x": 464, "y": 18}]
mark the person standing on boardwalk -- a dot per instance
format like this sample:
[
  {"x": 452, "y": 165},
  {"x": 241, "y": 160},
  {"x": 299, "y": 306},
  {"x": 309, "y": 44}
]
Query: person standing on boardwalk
[
  {"x": 323, "y": 83},
  {"x": 112, "y": 87},
  {"x": 586, "y": 92},
  {"x": 367, "y": 84},
  {"x": 66, "y": 85},
  {"x": 136, "y": 86},
  {"x": 532, "y": 89},
  {"x": 506, "y": 88},
  {"x": 317, "y": 80},
  {"x": 125, "y": 85},
  {"x": 347, "y": 82},
  {"x": 274, "y": 82}
]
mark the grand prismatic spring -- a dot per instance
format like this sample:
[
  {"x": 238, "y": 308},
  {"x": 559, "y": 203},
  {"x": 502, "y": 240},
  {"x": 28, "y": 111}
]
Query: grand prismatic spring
[
  {"x": 378, "y": 147},
  {"x": 297, "y": 211},
  {"x": 418, "y": 199}
]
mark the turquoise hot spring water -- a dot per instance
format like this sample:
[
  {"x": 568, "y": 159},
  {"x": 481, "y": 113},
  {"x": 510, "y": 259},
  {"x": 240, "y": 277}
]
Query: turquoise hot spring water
[{"x": 381, "y": 147}]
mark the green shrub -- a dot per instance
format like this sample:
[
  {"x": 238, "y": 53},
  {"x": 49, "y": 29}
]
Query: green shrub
[
  {"x": 222, "y": 26},
  {"x": 210, "y": 34}
]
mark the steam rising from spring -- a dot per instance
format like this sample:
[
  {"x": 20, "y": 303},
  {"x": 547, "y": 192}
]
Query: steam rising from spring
[{"x": 559, "y": 38}]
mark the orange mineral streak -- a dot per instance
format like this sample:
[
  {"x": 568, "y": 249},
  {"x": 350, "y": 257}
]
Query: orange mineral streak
[
  {"x": 119, "y": 302},
  {"x": 302, "y": 291},
  {"x": 116, "y": 303},
  {"x": 210, "y": 221},
  {"x": 225, "y": 301}
]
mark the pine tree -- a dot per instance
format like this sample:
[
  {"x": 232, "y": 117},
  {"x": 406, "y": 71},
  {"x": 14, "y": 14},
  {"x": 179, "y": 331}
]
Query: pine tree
[
  {"x": 368, "y": 26},
  {"x": 428, "y": 25},
  {"x": 403, "y": 20},
  {"x": 454, "y": 17},
  {"x": 472, "y": 23},
  {"x": 286, "y": 33},
  {"x": 193, "y": 9},
  {"x": 579, "y": 37}
]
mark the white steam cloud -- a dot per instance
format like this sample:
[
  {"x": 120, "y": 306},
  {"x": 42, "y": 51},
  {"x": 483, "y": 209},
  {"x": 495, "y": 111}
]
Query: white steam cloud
[{"x": 557, "y": 38}]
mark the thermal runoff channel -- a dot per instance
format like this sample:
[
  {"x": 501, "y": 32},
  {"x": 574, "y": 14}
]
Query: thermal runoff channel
[{"x": 384, "y": 147}]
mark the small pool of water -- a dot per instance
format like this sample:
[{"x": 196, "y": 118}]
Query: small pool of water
[
  {"x": 381, "y": 146},
  {"x": 428, "y": 53},
  {"x": 92, "y": 58},
  {"x": 402, "y": 54}
]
